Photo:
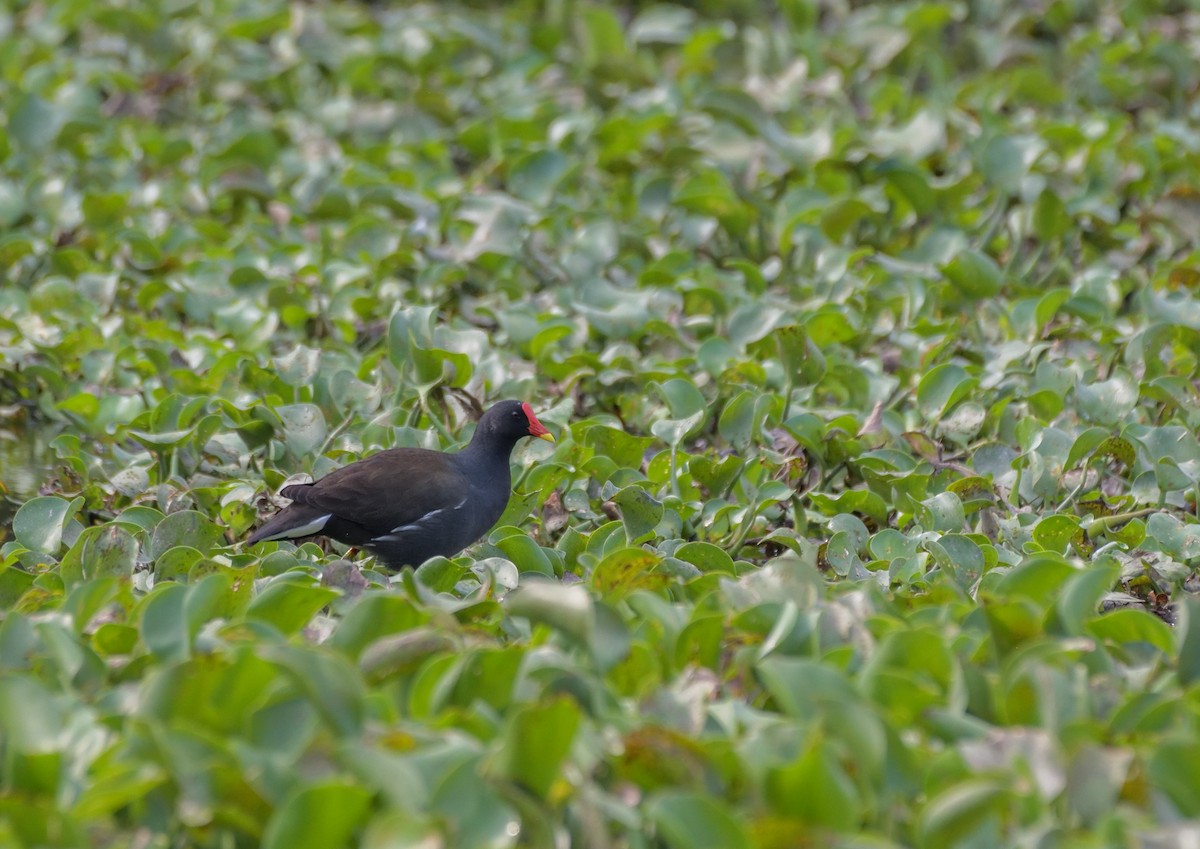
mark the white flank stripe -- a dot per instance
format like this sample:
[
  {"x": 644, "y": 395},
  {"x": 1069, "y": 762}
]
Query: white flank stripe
[
  {"x": 397, "y": 533},
  {"x": 412, "y": 526},
  {"x": 303, "y": 530}
]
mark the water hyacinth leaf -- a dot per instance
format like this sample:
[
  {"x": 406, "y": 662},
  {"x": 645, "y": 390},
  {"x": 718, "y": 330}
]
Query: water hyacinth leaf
[
  {"x": 1056, "y": 532},
  {"x": 1169, "y": 477},
  {"x": 742, "y": 418},
  {"x": 116, "y": 787},
  {"x": 534, "y": 176},
  {"x": 163, "y": 624},
  {"x": 861, "y": 501},
  {"x": 526, "y": 555},
  {"x": 303, "y": 428},
  {"x": 816, "y": 788},
  {"x": 694, "y": 821},
  {"x": 925, "y": 447},
  {"x": 39, "y": 523},
  {"x": 31, "y": 716},
  {"x": 973, "y": 489},
  {"x": 799, "y": 354},
  {"x": 672, "y": 431},
  {"x": 317, "y": 816},
  {"x": 942, "y": 387},
  {"x": 942, "y": 512},
  {"x": 841, "y": 552},
  {"x": 1039, "y": 577},
  {"x": 682, "y": 397},
  {"x": 567, "y": 608},
  {"x": 298, "y": 367},
  {"x": 1050, "y": 217},
  {"x": 706, "y": 557},
  {"x": 289, "y": 604},
  {"x": 640, "y": 513},
  {"x": 975, "y": 274},
  {"x": 1173, "y": 536},
  {"x": 709, "y": 192},
  {"x": 961, "y": 555},
  {"x": 187, "y": 528},
  {"x": 1087, "y": 444},
  {"x": 1079, "y": 600},
  {"x": 101, "y": 551},
  {"x": 34, "y": 121},
  {"x": 1133, "y": 626},
  {"x": 965, "y": 811},
  {"x": 716, "y": 475},
  {"x": 626, "y": 570},
  {"x": 328, "y": 682},
  {"x": 1174, "y": 769},
  {"x": 890, "y": 543},
  {"x": 536, "y": 741},
  {"x": 1188, "y": 666},
  {"x": 625, "y": 449},
  {"x": 662, "y": 25},
  {"x": 1007, "y": 159},
  {"x": 1107, "y": 402},
  {"x": 487, "y": 821},
  {"x": 1094, "y": 781}
]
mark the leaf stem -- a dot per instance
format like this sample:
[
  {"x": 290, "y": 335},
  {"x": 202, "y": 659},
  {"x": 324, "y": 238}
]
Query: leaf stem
[{"x": 1105, "y": 523}]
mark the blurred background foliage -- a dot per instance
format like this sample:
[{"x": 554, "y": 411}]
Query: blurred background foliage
[{"x": 869, "y": 332}]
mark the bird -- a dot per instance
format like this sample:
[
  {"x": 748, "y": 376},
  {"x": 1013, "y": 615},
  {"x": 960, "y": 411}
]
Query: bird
[{"x": 406, "y": 505}]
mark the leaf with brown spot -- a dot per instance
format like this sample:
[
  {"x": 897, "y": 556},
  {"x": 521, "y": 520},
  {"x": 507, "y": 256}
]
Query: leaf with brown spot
[{"x": 626, "y": 570}]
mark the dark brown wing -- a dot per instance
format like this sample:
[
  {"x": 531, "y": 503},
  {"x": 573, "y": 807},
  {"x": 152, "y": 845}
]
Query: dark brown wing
[{"x": 386, "y": 490}]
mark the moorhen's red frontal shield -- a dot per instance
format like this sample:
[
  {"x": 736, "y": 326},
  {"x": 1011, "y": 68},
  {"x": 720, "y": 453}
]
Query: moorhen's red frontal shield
[{"x": 406, "y": 505}]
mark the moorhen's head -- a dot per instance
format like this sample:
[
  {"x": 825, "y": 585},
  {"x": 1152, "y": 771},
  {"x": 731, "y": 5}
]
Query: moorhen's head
[{"x": 509, "y": 421}]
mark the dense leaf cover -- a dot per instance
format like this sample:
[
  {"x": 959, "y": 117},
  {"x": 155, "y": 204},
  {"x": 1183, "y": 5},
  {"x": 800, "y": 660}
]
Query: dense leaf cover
[{"x": 869, "y": 333}]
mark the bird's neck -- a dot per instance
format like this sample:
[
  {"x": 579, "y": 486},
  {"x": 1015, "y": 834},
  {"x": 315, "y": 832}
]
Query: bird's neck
[{"x": 487, "y": 450}]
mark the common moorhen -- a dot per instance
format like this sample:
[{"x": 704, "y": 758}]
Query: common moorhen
[{"x": 405, "y": 505}]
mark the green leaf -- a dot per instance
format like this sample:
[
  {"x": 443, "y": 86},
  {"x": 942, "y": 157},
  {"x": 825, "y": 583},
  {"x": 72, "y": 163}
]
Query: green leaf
[
  {"x": 624, "y": 449},
  {"x": 526, "y": 554},
  {"x": 39, "y": 523},
  {"x": 303, "y": 428},
  {"x": 1188, "y": 666},
  {"x": 34, "y": 122},
  {"x": 289, "y": 603},
  {"x": 1133, "y": 626},
  {"x": 694, "y": 821},
  {"x": 961, "y": 812},
  {"x": 1050, "y": 218},
  {"x": 626, "y": 570},
  {"x": 975, "y": 274},
  {"x": 188, "y": 528},
  {"x": 536, "y": 742},
  {"x": 100, "y": 551},
  {"x": 1079, "y": 599},
  {"x": 942, "y": 387},
  {"x": 535, "y": 176},
  {"x": 567, "y": 608},
  {"x": 816, "y": 788},
  {"x": 32, "y": 718},
  {"x": 318, "y": 816},
  {"x": 942, "y": 512},
  {"x": 328, "y": 681},
  {"x": 706, "y": 557},
  {"x": 640, "y": 513},
  {"x": 1040, "y": 577},
  {"x": 1107, "y": 402},
  {"x": 1056, "y": 532}
]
